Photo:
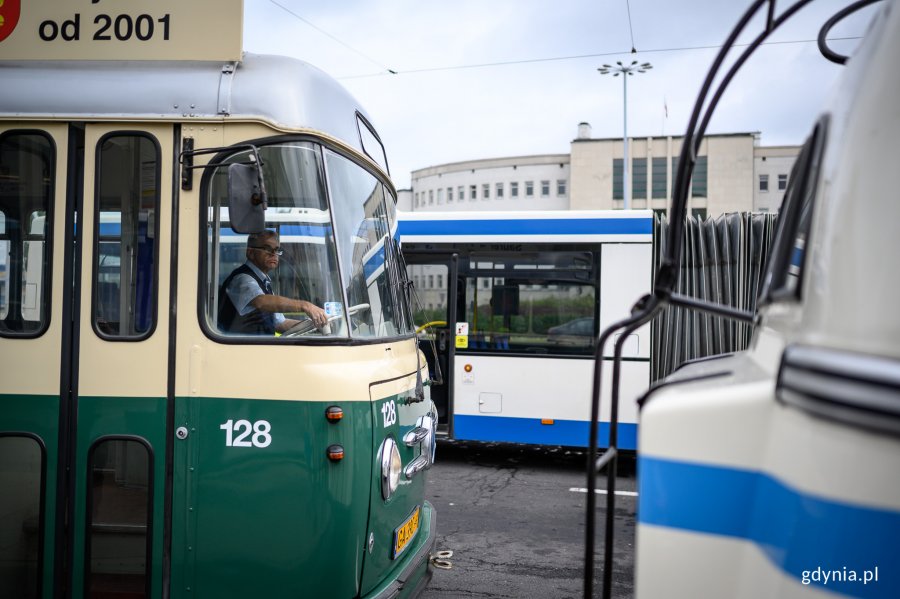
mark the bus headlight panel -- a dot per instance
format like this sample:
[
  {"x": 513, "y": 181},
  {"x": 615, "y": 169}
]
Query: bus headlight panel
[{"x": 390, "y": 467}]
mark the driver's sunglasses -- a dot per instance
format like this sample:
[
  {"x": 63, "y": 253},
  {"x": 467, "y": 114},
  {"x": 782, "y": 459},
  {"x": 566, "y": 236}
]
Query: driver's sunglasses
[{"x": 275, "y": 252}]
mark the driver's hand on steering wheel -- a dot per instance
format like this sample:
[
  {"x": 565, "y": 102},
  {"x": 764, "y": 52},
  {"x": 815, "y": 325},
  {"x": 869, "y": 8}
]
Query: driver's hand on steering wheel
[{"x": 316, "y": 314}]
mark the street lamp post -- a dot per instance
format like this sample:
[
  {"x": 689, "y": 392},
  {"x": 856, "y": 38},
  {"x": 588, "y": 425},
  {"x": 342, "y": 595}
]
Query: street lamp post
[{"x": 626, "y": 71}]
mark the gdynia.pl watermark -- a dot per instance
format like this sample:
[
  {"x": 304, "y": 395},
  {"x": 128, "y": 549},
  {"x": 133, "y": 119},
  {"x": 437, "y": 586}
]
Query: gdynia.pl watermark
[{"x": 826, "y": 577}]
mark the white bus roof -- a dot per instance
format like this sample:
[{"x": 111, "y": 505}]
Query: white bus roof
[{"x": 531, "y": 226}]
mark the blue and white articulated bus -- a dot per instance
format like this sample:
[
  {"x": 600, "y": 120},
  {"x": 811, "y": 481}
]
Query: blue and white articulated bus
[
  {"x": 513, "y": 302},
  {"x": 775, "y": 472}
]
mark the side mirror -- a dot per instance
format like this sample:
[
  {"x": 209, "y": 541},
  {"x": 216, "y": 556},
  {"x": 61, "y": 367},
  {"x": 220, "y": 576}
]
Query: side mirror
[{"x": 246, "y": 199}]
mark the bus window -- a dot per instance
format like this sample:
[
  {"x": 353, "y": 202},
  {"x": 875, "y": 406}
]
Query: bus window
[
  {"x": 119, "y": 519},
  {"x": 349, "y": 269},
  {"x": 540, "y": 303},
  {"x": 21, "y": 475},
  {"x": 368, "y": 255},
  {"x": 371, "y": 145},
  {"x": 299, "y": 222},
  {"x": 26, "y": 179},
  {"x": 125, "y": 219}
]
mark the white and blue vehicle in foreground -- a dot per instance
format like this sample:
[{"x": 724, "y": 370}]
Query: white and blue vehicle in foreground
[{"x": 775, "y": 472}]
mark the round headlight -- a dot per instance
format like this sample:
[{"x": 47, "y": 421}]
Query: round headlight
[{"x": 390, "y": 467}]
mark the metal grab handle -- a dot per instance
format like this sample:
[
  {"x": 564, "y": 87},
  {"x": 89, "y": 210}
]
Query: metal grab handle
[
  {"x": 417, "y": 465},
  {"x": 415, "y": 436}
]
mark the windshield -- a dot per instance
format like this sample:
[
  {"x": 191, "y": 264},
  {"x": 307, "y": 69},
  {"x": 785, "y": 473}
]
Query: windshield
[{"x": 320, "y": 268}]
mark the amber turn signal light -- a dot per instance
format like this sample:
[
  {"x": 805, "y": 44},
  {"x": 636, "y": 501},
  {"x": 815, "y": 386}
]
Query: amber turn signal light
[
  {"x": 334, "y": 413},
  {"x": 335, "y": 453}
]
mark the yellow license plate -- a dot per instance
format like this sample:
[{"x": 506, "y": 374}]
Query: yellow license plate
[{"x": 406, "y": 532}]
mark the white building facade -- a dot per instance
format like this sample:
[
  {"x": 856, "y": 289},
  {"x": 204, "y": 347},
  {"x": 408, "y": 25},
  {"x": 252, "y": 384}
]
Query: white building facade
[{"x": 733, "y": 173}]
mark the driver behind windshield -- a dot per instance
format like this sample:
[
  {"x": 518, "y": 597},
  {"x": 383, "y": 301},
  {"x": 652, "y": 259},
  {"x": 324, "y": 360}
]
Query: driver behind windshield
[{"x": 247, "y": 304}]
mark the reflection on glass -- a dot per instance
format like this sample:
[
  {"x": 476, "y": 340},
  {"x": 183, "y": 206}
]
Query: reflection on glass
[
  {"x": 128, "y": 202},
  {"x": 26, "y": 174},
  {"x": 21, "y": 463},
  {"x": 119, "y": 519},
  {"x": 540, "y": 303}
]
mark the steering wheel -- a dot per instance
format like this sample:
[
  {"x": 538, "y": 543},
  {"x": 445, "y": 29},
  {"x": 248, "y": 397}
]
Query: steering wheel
[{"x": 306, "y": 327}]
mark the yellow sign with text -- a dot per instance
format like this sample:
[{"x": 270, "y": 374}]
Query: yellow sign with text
[{"x": 121, "y": 30}]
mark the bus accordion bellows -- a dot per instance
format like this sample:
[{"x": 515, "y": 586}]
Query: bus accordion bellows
[
  {"x": 512, "y": 302},
  {"x": 152, "y": 445}
]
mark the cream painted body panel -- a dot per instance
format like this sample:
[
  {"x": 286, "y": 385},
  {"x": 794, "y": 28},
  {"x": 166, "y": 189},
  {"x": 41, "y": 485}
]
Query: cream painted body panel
[
  {"x": 209, "y": 368},
  {"x": 125, "y": 368},
  {"x": 705, "y": 566}
]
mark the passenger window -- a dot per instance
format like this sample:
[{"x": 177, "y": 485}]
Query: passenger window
[
  {"x": 294, "y": 259},
  {"x": 21, "y": 526},
  {"x": 784, "y": 275},
  {"x": 537, "y": 304},
  {"x": 369, "y": 258},
  {"x": 27, "y": 166},
  {"x": 118, "y": 540},
  {"x": 126, "y": 233},
  {"x": 371, "y": 145}
]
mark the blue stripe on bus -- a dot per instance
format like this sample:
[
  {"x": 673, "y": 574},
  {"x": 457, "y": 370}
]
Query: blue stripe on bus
[
  {"x": 797, "y": 531},
  {"x": 560, "y": 226},
  {"x": 374, "y": 262},
  {"x": 305, "y": 230},
  {"x": 572, "y": 433},
  {"x": 110, "y": 229}
]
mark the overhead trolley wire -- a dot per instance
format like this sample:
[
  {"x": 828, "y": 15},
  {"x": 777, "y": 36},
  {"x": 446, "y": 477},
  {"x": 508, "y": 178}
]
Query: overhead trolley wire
[
  {"x": 386, "y": 70},
  {"x": 505, "y": 63}
]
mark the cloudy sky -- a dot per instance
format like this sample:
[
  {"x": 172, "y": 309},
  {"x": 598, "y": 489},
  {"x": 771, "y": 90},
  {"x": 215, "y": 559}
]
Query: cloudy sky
[{"x": 481, "y": 79}]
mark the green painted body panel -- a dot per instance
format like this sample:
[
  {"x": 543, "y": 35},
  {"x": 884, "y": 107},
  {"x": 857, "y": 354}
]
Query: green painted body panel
[
  {"x": 142, "y": 418},
  {"x": 386, "y": 516},
  {"x": 275, "y": 521},
  {"x": 279, "y": 520},
  {"x": 39, "y": 416}
]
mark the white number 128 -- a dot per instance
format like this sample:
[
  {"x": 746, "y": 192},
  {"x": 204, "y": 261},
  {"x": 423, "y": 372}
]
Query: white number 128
[{"x": 236, "y": 433}]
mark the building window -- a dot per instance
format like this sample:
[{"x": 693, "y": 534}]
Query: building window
[
  {"x": 514, "y": 189},
  {"x": 473, "y": 192},
  {"x": 560, "y": 187},
  {"x": 618, "y": 194},
  {"x": 431, "y": 196},
  {"x": 639, "y": 178},
  {"x": 545, "y": 189},
  {"x": 764, "y": 182},
  {"x": 699, "y": 213},
  {"x": 698, "y": 181},
  {"x": 417, "y": 198},
  {"x": 449, "y": 194},
  {"x": 529, "y": 189},
  {"x": 782, "y": 182},
  {"x": 486, "y": 191},
  {"x": 658, "y": 182},
  {"x": 440, "y": 196},
  {"x": 430, "y": 281},
  {"x": 499, "y": 189}
]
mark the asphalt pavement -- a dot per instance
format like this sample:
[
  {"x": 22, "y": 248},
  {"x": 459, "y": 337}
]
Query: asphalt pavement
[{"x": 514, "y": 518}]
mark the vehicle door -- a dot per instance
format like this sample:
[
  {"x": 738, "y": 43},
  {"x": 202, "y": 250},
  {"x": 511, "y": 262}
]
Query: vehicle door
[{"x": 84, "y": 345}]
